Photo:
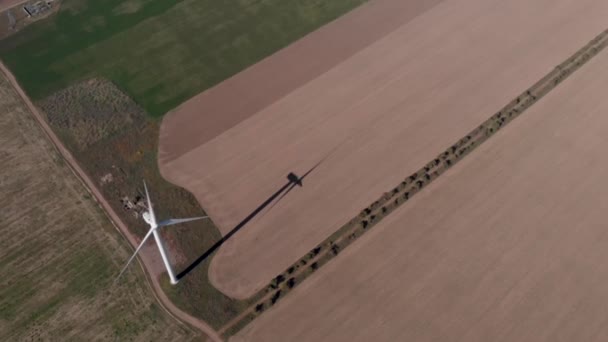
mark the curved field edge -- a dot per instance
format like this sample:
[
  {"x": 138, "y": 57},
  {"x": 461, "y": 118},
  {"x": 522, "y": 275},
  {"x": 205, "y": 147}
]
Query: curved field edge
[
  {"x": 323, "y": 253},
  {"x": 56, "y": 59},
  {"x": 134, "y": 149},
  {"x": 159, "y": 52},
  {"x": 115, "y": 143},
  {"x": 59, "y": 252}
]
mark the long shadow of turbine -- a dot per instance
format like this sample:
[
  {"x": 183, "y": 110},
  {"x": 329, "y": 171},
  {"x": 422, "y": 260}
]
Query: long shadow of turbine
[{"x": 292, "y": 181}]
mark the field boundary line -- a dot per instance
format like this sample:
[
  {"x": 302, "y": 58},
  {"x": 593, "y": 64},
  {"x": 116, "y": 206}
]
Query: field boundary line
[
  {"x": 12, "y": 5},
  {"x": 344, "y": 236},
  {"x": 173, "y": 311}
]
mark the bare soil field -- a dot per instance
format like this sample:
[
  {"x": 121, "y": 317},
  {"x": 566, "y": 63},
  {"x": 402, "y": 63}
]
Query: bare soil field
[
  {"x": 59, "y": 253},
  {"x": 364, "y": 124},
  {"x": 508, "y": 245}
]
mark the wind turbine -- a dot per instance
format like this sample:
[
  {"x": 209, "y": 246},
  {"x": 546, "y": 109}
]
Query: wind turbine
[{"x": 150, "y": 219}]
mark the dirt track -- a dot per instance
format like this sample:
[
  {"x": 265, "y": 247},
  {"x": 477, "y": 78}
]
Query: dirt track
[
  {"x": 388, "y": 109},
  {"x": 149, "y": 261},
  {"x": 506, "y": 246}
]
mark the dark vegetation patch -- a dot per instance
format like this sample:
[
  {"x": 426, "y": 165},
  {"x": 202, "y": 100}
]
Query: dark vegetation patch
[
  {"x": 88, "y": 116},
  {"x": 116, "y": 138}
]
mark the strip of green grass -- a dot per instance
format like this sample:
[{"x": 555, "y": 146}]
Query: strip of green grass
[{"x": 163, "y": 52}]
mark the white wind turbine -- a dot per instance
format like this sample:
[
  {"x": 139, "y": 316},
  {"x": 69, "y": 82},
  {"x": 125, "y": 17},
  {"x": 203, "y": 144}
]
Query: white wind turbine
[{"x": 150, "y": 219}]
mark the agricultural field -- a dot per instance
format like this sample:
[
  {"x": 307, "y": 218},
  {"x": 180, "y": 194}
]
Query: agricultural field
[
  {"x": 358, "y": 129},
  {"x": 78, "y": 65},
  {"x": 296, "y": 157},
  {"x": 13, "y": 17},
  {"x": 59, "y": 252},
  {"x": 508, "y": 245},
  {"x": 4, "y": 4},
  {"x": 115, "y": 142},
  {"x": 159, "y": 52}
]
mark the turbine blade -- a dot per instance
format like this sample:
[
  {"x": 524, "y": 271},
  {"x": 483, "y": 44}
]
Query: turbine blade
[
  {"x": 136, "y": 251},
  {"x": 170, "y": 222},
  {"x": 150, "y": 209}
]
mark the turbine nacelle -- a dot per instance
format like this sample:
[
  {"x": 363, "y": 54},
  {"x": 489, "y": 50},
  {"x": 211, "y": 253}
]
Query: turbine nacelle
[{"x": 149, "y": 219}]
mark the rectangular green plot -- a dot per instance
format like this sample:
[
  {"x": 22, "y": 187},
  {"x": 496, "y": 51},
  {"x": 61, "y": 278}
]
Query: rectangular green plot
[{"x": 159, "y": 52}]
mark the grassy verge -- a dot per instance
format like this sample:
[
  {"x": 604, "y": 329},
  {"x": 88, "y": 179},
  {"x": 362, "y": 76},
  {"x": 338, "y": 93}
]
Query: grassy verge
[{"x": 115, "y": 142}]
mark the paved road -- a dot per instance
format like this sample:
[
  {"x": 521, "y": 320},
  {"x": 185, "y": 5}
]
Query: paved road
[{"x": 163, "y": 300}]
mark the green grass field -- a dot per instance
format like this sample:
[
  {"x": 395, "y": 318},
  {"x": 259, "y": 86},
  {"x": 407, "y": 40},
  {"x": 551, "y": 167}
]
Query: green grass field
[{"x": 159, "y": 52}]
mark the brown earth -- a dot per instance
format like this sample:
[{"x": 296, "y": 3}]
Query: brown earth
[
  {"x": 372, "y": 119},
  {"x": 6, "y": 4},
  {"x": 509, "y": 245}
]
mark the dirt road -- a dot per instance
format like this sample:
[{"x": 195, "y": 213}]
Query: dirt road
[{"x": 164, "y": 302}]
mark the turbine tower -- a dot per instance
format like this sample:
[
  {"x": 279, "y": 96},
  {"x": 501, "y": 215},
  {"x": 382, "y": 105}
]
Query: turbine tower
[{"x": 150, "y": 219}]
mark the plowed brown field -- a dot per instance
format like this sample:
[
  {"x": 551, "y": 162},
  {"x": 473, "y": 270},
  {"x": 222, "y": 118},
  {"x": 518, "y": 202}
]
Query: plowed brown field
[
  {"x": 509, "y": 245},
  {"x": 372, "y": 119}
]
